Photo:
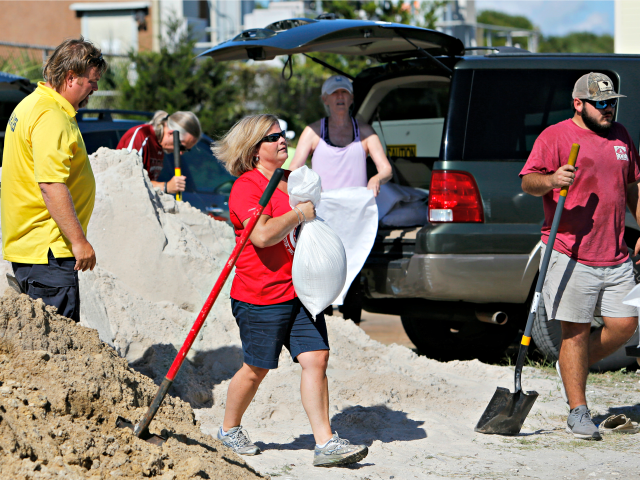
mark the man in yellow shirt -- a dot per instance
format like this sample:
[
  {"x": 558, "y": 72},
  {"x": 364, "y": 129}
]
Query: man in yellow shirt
[{"x": 48, "y": 187}]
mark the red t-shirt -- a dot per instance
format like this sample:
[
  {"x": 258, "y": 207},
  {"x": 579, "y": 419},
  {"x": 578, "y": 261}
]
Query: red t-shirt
[
  {"x": 145, "y": 142},
  {"x": 591, "y": 229},
  {"x": 263, "y": 275}
]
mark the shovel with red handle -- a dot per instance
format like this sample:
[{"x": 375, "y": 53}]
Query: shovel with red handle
[{"x": 140, "y": 430}]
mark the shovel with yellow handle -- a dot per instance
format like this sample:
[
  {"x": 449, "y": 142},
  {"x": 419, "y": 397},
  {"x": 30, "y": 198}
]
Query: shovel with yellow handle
[
  {"x": 507, "y": 411},
  {"x": 176, "y": 159}
]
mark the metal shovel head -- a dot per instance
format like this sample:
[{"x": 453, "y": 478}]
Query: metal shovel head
[
  {"x": 149, "y": 437},
  {"x": 506, "y": 412}
]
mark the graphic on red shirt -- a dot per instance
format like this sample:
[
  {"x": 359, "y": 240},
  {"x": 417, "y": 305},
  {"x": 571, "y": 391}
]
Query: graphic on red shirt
[
  {"x": 263, "y": 275},
  {"x": 143, "y": 139},
  {"x": 621, "y": 153},
  {"x": 591, "y": 229}
]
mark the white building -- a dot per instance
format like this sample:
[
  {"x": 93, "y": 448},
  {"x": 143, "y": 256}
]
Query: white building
[
  {"x": 626, "y": 21},
  {"x": 260, "y": 18}
]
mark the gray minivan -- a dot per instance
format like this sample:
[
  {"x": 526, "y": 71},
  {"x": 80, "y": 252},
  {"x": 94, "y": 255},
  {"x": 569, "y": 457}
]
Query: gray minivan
[{"x": 461, "y": 125}]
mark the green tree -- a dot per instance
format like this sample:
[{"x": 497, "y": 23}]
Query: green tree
[
  {"x": 173, "y": 80},
  {"x": 577, "y": 42},
  {"x": 491, "y": 17},
  {"x": 423, "y": 14}
]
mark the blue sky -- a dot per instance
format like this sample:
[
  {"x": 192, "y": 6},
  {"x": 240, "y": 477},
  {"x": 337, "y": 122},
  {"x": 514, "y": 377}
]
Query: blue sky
[{"x": 558, "y": 17}]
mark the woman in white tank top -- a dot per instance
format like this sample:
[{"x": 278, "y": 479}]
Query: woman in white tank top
[{"x": 340, "y": 144}]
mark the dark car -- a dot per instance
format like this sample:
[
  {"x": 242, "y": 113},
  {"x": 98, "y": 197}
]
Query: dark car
[
  {"x": 12, "y": 90},
  {"x": 461, "y": 125},
  {"x": 208, "y": 183}
]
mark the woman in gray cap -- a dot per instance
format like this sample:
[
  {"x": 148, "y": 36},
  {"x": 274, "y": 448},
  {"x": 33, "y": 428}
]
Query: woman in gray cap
[{"x": 340, "y": 145}]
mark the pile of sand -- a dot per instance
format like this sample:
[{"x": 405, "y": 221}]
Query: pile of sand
[{"x": 61, "y": 390}]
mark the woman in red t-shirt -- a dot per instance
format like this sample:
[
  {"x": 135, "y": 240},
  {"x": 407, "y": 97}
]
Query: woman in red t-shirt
[{"x": 264, "y": 302}]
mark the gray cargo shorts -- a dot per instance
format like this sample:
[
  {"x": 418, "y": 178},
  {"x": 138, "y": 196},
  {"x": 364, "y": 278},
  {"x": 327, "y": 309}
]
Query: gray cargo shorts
[{"x": 574, "y": 292}]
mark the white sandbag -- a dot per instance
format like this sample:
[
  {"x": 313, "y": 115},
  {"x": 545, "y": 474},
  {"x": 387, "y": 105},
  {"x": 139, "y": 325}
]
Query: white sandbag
[
  {"x": 319, "y": 269},
  {"x": 352, "y": 213}
]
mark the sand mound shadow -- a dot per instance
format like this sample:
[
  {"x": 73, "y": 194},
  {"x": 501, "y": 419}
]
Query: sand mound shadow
[{"x": 197, "y": 377}]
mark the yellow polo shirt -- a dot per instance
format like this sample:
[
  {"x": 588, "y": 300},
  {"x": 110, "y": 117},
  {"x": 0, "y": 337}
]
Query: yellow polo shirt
[{"x": 42, "y": 144}]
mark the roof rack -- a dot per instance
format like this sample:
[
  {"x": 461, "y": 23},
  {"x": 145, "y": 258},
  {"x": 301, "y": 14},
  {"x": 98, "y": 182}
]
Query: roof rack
[{"x": 498, "y": 50}]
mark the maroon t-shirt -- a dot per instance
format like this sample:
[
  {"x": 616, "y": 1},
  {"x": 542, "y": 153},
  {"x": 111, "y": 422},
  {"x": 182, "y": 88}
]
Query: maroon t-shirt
[
  {"x": 263, "y": 275},
  {"x": 145, "y": 142},
  {"x": 591, "y": 229}
]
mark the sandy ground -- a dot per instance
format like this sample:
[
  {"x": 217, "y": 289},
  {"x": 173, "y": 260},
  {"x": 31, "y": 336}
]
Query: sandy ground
[
  {"x": 425, "y": 430},
  {"x": 157, "y": 261}
]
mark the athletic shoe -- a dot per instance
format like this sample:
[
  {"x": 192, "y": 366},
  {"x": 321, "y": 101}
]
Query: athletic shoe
[
  {"x": 580, "y": 424},
  {"x": 237, "y": 439},
  {"x": 338, "y": 451},
  {"x": 562, "y": 389}
]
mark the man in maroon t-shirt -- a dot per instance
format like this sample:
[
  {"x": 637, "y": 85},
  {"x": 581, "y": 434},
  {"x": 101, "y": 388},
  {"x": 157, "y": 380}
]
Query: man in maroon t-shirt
[{"x": 590, "y": 271}]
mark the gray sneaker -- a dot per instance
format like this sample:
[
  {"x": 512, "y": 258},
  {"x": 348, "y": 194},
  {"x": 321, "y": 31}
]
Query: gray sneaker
[
  {"x": 580, "y": 424},
  {"x": 338, "y": 451},
  {"x": 562, "y": 389},
  {"x": 237, "y": 439}
]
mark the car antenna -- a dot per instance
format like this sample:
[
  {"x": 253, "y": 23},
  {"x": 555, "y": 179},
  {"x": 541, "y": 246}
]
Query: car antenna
[{"x": 428, "y": 55}]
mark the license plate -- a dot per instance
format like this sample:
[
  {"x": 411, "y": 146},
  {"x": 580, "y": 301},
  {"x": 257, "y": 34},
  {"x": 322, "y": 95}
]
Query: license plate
[{"x": 402, "y": 150}]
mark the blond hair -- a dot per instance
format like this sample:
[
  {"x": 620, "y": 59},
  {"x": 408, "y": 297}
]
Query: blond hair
[
  {"x": 72, "y": 55},
  {"x": 237, "y": 149},
  {"x": 184, "y": 122}
]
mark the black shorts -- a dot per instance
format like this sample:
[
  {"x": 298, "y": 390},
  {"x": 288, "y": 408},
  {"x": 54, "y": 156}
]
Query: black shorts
[
  {"x": 265, "y": 329},
  {"x": 56, "y": 283}
]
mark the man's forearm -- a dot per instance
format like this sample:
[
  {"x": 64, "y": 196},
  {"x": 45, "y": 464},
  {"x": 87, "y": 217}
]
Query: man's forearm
[
  {"x": 536, "y": 184},
  {"x": 60, "y": 205}
]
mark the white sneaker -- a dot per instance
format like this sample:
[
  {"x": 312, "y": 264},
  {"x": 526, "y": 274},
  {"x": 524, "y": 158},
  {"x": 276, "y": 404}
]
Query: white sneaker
[
  {"x": 238, "y": 440},
  {"x": 338, "y": 451},
  {"x": 564, "y": 392}
]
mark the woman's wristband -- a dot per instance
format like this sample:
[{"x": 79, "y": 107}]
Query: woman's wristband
[
  {"x": 165, "y": 187},
  {"x": 303, "y": 216},
  {"x": 295, "y": 211}
]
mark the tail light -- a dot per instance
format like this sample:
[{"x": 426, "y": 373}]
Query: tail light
[{"x": 454, "y": 197}]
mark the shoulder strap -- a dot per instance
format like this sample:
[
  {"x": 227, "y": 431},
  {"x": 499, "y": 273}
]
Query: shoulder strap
[
  {"x": 356, "y": 130},
  {"x": 324, "y": 129},
  {"x": 133, "y": 137}
]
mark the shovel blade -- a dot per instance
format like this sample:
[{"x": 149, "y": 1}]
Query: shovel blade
[
  {"x": 145, "y": 435},
  {"x": 506, "y": 412}
]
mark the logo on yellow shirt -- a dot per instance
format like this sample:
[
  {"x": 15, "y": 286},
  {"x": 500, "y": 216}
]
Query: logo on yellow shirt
[{"x": 13, "y": 121}]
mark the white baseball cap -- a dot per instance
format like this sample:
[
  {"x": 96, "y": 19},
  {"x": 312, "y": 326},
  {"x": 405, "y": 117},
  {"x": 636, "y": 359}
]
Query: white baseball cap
[{"x": 336, "y": 82}]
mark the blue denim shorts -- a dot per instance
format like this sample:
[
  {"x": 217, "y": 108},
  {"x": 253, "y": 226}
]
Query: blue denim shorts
[{"x": 265, "y": 329}]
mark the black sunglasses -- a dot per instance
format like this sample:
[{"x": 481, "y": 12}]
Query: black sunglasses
[
  {"x": 602, "y": 104},
  {"x": 274, "y": 137}
]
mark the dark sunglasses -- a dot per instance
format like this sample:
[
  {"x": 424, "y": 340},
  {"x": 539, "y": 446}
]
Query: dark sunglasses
[
  {"x": 274, "y": 137},
  {"x": 602, "y": 104}
]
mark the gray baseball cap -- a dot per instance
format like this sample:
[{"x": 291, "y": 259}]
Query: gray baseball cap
[
  {"x": 336, "y": 82},
  {"x": 594, "y": 86}
]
